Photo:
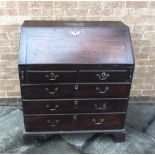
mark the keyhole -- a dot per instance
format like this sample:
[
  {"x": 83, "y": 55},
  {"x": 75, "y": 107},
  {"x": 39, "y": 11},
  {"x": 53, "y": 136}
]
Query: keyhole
[
  {"x": 52, "y": 75},
  {"x": 76, "y": 104},
  {"x": 76, "y": 87}
]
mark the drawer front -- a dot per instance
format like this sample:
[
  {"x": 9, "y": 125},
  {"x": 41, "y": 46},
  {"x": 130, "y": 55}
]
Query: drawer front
[
  {"x": 103, "y": 90},
  {"x": 50, "y": 76},
  {"x": 57, "y": 106},
  {"x": 103, "y": 76},
  {"x": 75, "y": 90},
  {"x": 74, "y": 122},
  {"x": 47, "y": 91}
]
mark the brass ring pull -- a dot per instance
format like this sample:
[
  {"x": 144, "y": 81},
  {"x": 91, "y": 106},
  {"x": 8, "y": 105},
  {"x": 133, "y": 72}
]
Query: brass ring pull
[
  {"x": 52, "y": 109},
  {"x": 103, "y": 76},
  {"x": 98, "y": 122},
  {"x": 52, "y": 76},
  {"x": 51, "y": 92},
  {"x": 103, "y": 107},
  {"x": 102, "y": 91},
  {"x": 53, "y": 123}
]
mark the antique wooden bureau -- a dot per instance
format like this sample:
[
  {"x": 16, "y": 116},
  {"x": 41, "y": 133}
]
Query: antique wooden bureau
[{"x": 75, "y": 77}]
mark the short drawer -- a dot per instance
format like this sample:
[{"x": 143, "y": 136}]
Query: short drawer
[
  {"x": 75, "y": 90},
  {"x": 50, "y": 76},
  {"x": 120, "y": 90},
  {"x": 74, "y": 122},
  {"x": 103, "y": 76},
  {"x": 58, "y": 106},
  {"x": 47, "y": 91}
]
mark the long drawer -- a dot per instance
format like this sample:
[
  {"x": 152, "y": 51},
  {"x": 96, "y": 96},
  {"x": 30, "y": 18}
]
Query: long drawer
[
  {"x": 37, "y": 76},
  {"x": 74, "y": 122},
  {"x": 58, "y": 106},
  {"x": 36, "y": 91}
]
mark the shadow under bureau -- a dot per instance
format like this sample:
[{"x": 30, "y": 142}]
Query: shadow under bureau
[{"x": 75, "y": 77}]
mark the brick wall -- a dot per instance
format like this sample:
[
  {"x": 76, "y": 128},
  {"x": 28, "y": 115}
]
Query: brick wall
[{"x": 139, "y": 16}]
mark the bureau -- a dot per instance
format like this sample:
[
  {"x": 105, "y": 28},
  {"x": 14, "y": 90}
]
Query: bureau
[{"x": 75, "y": 77}]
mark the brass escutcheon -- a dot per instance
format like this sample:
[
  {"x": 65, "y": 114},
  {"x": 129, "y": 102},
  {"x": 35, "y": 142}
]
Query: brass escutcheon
[
  {"x": 76, "y": 87},
  {"x": 75, "y": 117},
  {"x": 75, "y": 102},
  {"x": 75, "y": 32}
]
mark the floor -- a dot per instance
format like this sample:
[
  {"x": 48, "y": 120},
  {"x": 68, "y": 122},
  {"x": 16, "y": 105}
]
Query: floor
[{"x": 140, "y": 126}]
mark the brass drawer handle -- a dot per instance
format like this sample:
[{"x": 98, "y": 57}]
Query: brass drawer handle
[
  {"x": 103, "y": 76},
  {"x": 75, "y": 32},
  {"x": 99, "y": 90},
  {"x": 51, "y": 92},
  {"x": 52, "y": 109},
  {"x": 103, "y": 107},
  {"x": 98, "y": 122},
  {"x": 53, "y": 123},
  {"x": 52, "y": 76}
]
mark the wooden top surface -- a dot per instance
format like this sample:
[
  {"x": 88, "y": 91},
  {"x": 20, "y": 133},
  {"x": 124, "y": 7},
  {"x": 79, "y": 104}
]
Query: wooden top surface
[
  {"x": 47, "y": 42},
  {"x": 73, "y": 23}
]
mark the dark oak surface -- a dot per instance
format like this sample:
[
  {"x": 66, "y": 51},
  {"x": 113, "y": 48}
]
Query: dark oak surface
[
  {"x": 75, "y": 45},
  {"x": 51, "y": 76},
  {"x": 75, "y": 77},
  {"x": 33, "y": 76},
  {"x": 66, "y": 67},
  {"x": 74, "y": 122},
  {"x": 62, "y": 106},
  {"x": 69, "y": 90},
  {"x": 104, "y": 75},
  {"x": 114, "y": 24}
]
